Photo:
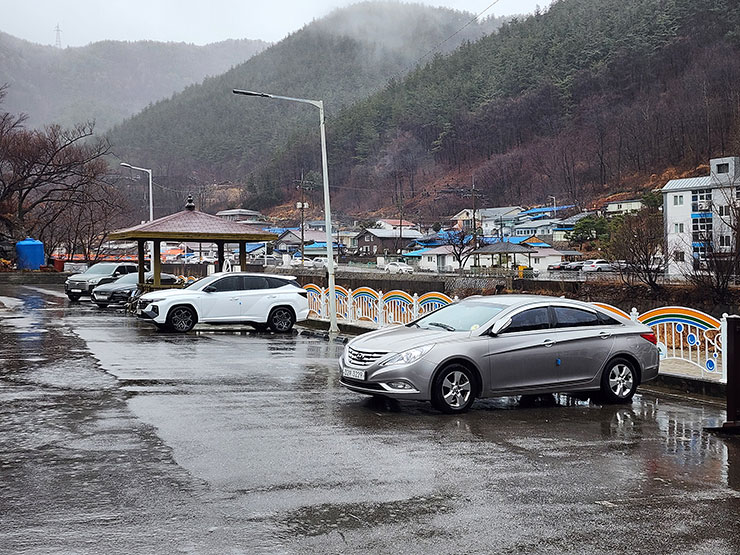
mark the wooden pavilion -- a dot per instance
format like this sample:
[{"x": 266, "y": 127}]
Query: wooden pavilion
[{"x": 190, "y": 225}]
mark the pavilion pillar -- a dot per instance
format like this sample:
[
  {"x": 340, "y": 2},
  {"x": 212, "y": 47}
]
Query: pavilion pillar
[
  {"x": 141, "y": 261},
  {"x": 243, "y": 255},
  {"x": 220, "y": 262},
  {"x": 157, "y": 263}
]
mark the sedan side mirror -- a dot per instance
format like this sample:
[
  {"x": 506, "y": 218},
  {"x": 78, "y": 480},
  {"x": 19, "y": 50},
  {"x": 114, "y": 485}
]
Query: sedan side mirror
[
  {"x": 209, "y": 289},
  {"x": 499, "y": 326}
]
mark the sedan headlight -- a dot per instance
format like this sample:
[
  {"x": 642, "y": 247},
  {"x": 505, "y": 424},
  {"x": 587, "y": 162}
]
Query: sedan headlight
[{"x": 407, "y": 357}]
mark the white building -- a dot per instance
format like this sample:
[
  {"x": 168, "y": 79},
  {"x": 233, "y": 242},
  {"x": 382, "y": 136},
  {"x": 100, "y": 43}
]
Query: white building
[
  {"x": 497, "y": 221},
  {"x": 619, "y": 207},
  {"x": 696, "y": 211},
  {"x": 241, "y": 215},
  {"x": 540, "y": 228}
]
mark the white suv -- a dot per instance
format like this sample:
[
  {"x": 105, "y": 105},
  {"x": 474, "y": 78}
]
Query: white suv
[
  {"x": 597, "y": 265},
  {"x": 398, "y": 268},
  {"x": 260, "y": 300}
]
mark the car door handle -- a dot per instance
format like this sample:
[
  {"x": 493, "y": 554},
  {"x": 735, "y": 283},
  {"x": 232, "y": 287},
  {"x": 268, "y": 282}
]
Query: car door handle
[
  {"x": 548, "y": 343},
  {"x": 605, "y": 335},
  {"x": 234, "y": 299}
]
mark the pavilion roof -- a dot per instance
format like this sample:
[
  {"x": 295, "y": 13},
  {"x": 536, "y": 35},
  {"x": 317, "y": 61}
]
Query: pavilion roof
[{"x": 193, "y": 225}]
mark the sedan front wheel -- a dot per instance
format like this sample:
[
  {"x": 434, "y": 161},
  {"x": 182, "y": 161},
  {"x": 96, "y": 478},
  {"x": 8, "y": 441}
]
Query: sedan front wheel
[{"x": 453, "y": 390}]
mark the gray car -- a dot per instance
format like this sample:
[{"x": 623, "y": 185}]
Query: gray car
[{"x": 503, "y": 345}]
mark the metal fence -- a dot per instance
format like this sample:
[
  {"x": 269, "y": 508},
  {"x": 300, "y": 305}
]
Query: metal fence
[{"x": 690, "y": 341}]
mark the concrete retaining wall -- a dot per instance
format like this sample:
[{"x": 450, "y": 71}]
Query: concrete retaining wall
[{"x": 30, "y": 277}]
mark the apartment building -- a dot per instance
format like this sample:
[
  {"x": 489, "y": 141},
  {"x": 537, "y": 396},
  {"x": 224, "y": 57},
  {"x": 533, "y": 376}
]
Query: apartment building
[{"x": 696, "y": 214}]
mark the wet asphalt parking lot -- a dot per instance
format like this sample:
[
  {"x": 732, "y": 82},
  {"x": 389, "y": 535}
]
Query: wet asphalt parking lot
[{"x": 116, "y": 438}]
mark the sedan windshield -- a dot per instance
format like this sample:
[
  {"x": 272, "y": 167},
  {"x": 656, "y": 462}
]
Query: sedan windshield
[{"x": 459, "y": 316}]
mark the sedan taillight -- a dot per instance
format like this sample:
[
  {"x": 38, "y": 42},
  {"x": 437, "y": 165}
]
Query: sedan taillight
[{"x": 650, "y": 337}]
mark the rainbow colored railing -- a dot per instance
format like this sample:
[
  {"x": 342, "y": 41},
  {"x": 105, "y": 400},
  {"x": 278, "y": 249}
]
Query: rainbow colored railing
[{"x": 373, "y": 307}]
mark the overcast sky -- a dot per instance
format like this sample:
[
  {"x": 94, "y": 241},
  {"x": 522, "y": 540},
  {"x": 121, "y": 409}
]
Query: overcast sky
[{"x": 195, "y": 21}]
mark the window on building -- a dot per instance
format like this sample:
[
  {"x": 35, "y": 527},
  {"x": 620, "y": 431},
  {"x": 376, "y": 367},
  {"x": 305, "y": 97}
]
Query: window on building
[
  {"x": 723, "y": 168},
  {"x": 724, "y": 241},
  {"x": 367, "y": 238},
  {"x": 678, "y": 256},
  {"x": 701, "y": 228},
  {"x": 619, "y": 206},
  {"x": 677, "y": 200},
  {"x": 430, "y": 259},
  {"x": 701, "y": 200},
  {"x": 723, "y": 211},
  {"x": 678, "y": 228}
]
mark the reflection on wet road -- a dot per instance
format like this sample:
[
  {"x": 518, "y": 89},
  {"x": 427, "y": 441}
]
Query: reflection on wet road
[{"x": 117, "y": 438}]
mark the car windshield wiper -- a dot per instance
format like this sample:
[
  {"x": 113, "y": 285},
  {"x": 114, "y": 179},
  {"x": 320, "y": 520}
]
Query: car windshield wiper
[{"x": 441, "y": 325}]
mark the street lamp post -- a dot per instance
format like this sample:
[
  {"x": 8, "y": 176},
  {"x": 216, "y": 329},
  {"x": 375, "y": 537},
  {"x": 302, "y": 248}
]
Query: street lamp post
[
  {"x": 151, "y": 213},
  {"x": 554, "y": 206},
  {"x": 333, "y": 327}
]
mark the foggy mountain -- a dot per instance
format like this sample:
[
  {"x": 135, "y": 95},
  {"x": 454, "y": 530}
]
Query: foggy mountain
[
  {"x": 106, "y": 81},
  {"x": 587, "y": 99},
  {"x": 209, "y": 133}
]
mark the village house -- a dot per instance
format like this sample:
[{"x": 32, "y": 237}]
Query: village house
[{"x": 373, "y": 241}]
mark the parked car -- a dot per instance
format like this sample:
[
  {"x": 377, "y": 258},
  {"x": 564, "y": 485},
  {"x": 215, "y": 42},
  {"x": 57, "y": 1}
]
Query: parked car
[
  {"x": 575, "y": 266},
  {"x": 322, "y": 262},
  {"x": 121, "y": 290},
  {"x": 598, "y": 265},
  {"x": 398, "y": 268},
  {"x": 503, "y": 345},
  {"x": 79, "y": 285},
  {"x": 557, "y": 267},
  {"x": 260, "y": 300}
]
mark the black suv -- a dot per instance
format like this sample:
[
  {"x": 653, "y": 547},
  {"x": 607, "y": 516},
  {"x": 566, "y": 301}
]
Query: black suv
[{"x": 78, "y": 285}]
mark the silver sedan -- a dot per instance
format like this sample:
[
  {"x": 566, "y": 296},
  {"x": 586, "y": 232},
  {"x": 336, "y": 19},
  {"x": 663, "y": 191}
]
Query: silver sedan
[{"x": 503, "y": 345}]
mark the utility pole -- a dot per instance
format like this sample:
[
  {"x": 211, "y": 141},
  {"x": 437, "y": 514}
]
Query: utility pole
[
  {"x": 58, "y": 43},
  {"x": 474, "y": 194},
  {"x": 303, "y": 186},
  {"x": 400, "y": 221}
]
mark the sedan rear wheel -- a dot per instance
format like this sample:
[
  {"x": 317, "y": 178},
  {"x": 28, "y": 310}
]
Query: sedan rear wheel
[
  {"x": 619, "y": 381},
  {"x": 181, "y": 319},
  {"x": 281, "y": 319},
  {"x": 453, "y": 390}
]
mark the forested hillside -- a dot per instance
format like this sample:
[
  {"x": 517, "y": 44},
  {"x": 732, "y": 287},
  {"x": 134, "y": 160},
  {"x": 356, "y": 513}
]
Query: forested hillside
[
  {"x": 591, "y": 97},
  {"x": 106, "y": 81},
  {"x": 209, "y": 133}
]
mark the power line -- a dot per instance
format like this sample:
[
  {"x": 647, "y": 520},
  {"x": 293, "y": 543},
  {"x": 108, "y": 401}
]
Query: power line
[{"x": 436, "y": 47}]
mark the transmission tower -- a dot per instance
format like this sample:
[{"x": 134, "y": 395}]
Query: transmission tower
[{"x": 58, "y": 43}]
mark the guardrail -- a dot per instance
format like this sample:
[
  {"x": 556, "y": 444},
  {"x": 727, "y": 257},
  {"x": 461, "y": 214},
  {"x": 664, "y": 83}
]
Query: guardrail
[{"x": 690, "y": 341}]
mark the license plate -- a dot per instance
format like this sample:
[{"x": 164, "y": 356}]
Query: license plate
[
  {"x": 101, "y": 297},
  {"x": 76, "y": 290},
  {"x": 355, "y": 374}
]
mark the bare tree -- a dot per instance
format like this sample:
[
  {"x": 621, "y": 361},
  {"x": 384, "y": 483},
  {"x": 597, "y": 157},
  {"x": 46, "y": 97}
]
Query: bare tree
[
  {"x": 639, "y": 240},
  {"x": 461, "y": 246},
  {"x": 41, "y": 170}
]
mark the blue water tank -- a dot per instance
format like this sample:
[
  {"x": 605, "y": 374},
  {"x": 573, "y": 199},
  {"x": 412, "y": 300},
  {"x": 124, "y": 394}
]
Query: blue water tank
[{"x": 30, "y": 254}]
